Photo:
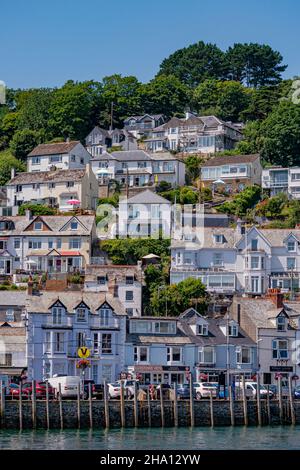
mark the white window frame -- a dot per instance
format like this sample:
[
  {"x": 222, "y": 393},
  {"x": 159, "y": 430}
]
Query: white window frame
[
  {"x": 202, "y": 350},
  {"x": 276, "y": 352},
  {"x": 171, "y": 351},
  {"x": 137, "y": 352},
  {"x": 202, "y": 329},
  {"x": 239, "y": 354}
]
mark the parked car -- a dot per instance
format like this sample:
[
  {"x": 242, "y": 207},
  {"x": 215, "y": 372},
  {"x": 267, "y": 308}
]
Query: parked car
[
  {"x": 114, "y": 389},
  {"x": 96, "y": 389},
  {"x": 183, "y": 391},
  {"x": 12, "y": 390},
  {"x": 69, "y": 385},
  {"x": 40, "y": 390},
  {"x": 251, "y": 390},
  {"x": 204, "y": 389}
]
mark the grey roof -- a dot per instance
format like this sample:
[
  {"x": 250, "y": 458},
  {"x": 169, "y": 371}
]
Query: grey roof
[
  {"x": 48, "y": 177},
  {"x": 13, "y": 298},
  {"x": 230, "y": 159},
  {"x": 261, "y": 311},
  {"x": 71, "y": 299},
  {"x": 179, "y": 338},
  {"x": 54, "y": 148},
  {"x": 138, "y": 118},
  {"x": 147, "y": 197},
  {"x": 58, "y": 225},
  {"x": 131, "y": 155}
]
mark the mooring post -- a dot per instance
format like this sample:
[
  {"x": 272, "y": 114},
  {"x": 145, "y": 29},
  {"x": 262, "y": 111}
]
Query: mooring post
[
  {"x": 47, "y": 406},
  {"x": 149, "y": 408},
  {"x": 122, "y": 404},
  {"x": 231, "y": 405},
  {"x": 268, "y": 405},
  {"x": 90, "y": 405},
  {"x": 291, "y": 400},
  {"x": 106, "y": 406},
  {"x": 33, "y": 404},
  {"x": 78, "y": 406},
  {"x": 244, "y": 401},
  {"x": 162, "y": 411},
  {"x": 135, "y": 406},
  {"x": 280, "y": 400},
  {"x": 60, "y": 407},
  {"x": 192, "y": 415},
  {"x": 2, "y": 393},
  {"x": 20, "y": 407},
  {"x": 258, "y": 399},
  {"x": 211, "y": 409},
  {"x": 175, "y": 405}
]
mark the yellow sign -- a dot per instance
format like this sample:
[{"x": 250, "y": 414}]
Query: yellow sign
[{"x": 83, "y": 352}]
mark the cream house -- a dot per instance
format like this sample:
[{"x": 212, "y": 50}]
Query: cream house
[
  {"x": 60, "y": 155},
  {"x": 55, "y": 188}
]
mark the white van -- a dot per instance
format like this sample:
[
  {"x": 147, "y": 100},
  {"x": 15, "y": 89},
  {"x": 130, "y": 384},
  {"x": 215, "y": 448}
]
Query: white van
[
  {"x": 68, "y": 383},
  {"x": 251, "y": 390}
]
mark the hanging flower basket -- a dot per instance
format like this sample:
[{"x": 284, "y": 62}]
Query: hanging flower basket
[
  {"x": 278, "y": 376},
  {"x": 83, "y": 364}
]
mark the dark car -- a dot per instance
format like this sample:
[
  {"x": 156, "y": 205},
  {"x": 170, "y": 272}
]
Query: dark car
[
  {"x": 297, "y": 392},
  {"x": 96, "y": 389},
  {"x": 183, "y": 391}
]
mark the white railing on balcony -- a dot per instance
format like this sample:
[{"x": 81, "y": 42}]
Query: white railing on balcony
[
  {"x": 99, "y": 323},
  {"x": 50, "y": 322}
]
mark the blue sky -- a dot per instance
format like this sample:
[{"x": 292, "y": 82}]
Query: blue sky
[{"x": 45, "y": 43}]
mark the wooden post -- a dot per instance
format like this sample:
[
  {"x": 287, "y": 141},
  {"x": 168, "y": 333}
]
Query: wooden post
[
  {"x": 90, "y": 406},
  {"x": 268, "y": 405},
  {"x": 231, "y": 404},
  {"x": 2, "y": 392},
  {"x": 291, "y": 400},
  {"x": 175, "y": 405},
  {"x": 211, "y": 410},
  {"x": 78, "y": 406},
  {"x": 33, "y": 404},
  {"x": 192, "y": 416},
  {"x": 106, "y": 406},
  {"x": 280, "y": 399},
  {"x": 244, "y": 401},
  {"x": 60, "y": 407},
  {"x": 47, "y": 405},
  {"x": 258, "y": 399},
  {"x": 122, "y": 404},
  {"x": 149, "y": 408},
  {"x": 135, "y": 405},
  {"x": 162, "y": 411},
  {"x": 20, "y": 408}
]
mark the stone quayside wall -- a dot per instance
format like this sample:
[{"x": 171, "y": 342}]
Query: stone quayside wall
[{"x": 202, "y": 414}]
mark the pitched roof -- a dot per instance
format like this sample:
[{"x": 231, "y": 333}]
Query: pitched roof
[
  {"x": 53, "y": 149},
  {"x": 217, "y": 161},
  {"x": 13, "y": 298},
  {"x": 147, "y": 197},
  {"x": 48, "y": 176},
  {"x": 56, "y": 224},
  {"x": 70, "y": 299},
  {"x": 131, "y": 155}
]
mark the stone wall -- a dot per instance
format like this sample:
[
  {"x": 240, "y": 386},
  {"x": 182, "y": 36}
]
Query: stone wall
[{"x": 221, "y": 411}]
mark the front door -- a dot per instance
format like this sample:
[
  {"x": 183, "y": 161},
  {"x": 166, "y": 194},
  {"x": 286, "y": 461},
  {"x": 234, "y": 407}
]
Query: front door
[
  {"x": 137, "y": 181},
  {"x": 58, "y": 265},
  {"x": 8, "y": 266}
]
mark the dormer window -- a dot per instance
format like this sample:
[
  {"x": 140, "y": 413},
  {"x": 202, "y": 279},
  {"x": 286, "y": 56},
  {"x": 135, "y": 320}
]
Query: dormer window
[
  {"x": 57, "y": 314},
  {"x": 38, "y": 225},
  {"x": 219, "y": 238},
  {"x": 291, "y": 246},
  {"x": 281, "y": 323},
  {"x": 202, "y": 330},
  {"x": 233, "y": 330},
  {"x": 81, "y": 315},
  {"x": 254, "y": 244},
  {"x": 74, "y": 225},
  {"x": 10, "y": 315},
  {"x": 104, "y": 316}
]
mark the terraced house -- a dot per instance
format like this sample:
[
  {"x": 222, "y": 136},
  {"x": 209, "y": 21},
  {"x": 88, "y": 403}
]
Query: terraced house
[{"x": 45, "y": 243}]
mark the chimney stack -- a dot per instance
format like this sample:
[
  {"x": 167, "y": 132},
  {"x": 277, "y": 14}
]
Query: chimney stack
[
  {"x": 12, "y": 173},
  {"x": 276, "y": 296},
  {"x": 28, "y": 214}
]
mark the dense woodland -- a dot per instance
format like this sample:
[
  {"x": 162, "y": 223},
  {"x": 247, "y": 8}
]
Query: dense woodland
[{"x": 243, "y": 83}]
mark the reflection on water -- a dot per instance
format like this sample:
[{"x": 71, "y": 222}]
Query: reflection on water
[{"x": 278, "y": 437}]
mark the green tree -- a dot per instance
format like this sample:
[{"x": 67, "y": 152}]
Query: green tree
[
  {"x": 75, "y": 109},
  {"x": 8, "y": 126},
  {"x": 36, "y": 209},
  {"x": 7, "y": 162},
  {"x": 254, "y": 64},
  {"x": 241, "y": 202},
  {"x": 23, "y": 142},
  {"x": 34, "y": 112},
  {"x": 130, "y": 250},
  {"x": 165, "y": 94},
  {"x": 195, "y": 63},
  {"x": 192, "y": 165},
  {"x": 176, "y": 298}
]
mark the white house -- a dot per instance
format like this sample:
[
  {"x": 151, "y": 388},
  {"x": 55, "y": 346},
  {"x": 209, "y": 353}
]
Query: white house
[
  {"x": 232, "y": 260},
  {"x": 61, "y": 155},
  {"x": 58, "y": 323},
  {"x": 143, "y": 125},
  {"x": 55, "y": 188},
  {"x": 144, "y": 215},
  {"x": 99, "y": 140},
  {"x": 204, "y": 134},
  {"x": 282, "y": 180}
]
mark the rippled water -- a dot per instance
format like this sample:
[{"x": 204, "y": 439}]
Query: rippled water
[{"x": 169, "y": 438}]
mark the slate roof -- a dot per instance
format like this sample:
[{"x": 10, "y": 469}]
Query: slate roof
[
  {"x": 131, "y": 155},
  {"x": 12, "y": 298},
  {"x": 53, "y": 149},
  {"x": 218, "y": 161},
  {"x": 55, "y": 223},
  {"x": 43, "y": 302},
  {"x": 55, "y": 176},
  {"x": 147, "y": 197}
]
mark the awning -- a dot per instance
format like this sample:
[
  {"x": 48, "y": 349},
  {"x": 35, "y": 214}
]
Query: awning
[
  {"x": 70, "y": 253},
  {"x": 11, "y": 371}
]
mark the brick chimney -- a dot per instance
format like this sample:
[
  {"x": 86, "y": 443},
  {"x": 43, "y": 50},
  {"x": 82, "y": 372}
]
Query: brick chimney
[{"x": 276, "y": 296}]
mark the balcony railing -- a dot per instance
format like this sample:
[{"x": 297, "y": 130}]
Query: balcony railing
[
  {"x": 49, "y": 322},
  {"x": 99, "y": 323}
]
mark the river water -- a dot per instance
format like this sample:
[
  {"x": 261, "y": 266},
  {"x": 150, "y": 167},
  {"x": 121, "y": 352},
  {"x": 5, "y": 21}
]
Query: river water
[{"x": 228, "y": 438}]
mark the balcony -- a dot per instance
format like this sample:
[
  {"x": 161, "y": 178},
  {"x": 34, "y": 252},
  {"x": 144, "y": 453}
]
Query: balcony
[
  {"x": 49, "y": 322},
  {"x": 98, "y": 323},
  {"x": 273, "y": 184}
]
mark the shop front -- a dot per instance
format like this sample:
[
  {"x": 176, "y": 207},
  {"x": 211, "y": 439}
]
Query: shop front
[{"x": 159, "y": 374}]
